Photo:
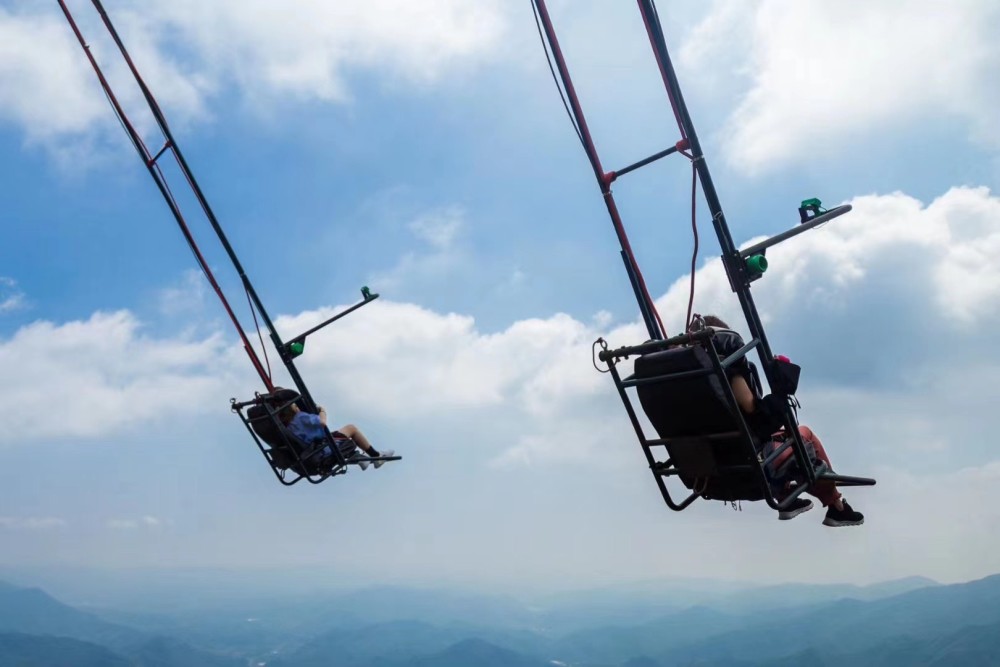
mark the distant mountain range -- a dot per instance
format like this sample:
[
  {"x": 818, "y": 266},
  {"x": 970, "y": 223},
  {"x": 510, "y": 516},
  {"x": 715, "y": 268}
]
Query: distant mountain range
[
  {"x": 907, "y": 622},
  {"x": 42, "y": 651},
  {"x": 37, "y": 630}
]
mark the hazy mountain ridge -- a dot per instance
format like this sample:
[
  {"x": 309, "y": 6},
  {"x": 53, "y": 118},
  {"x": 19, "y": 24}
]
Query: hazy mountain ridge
[
  {"x": 972, "y": 646},
  {"x": 32, "y": 611},
  {"x": 849, "y": 628},
  {"x": 851, "y": 625},
  {"x": 30, "y": 620},
  {"x": 46, "y": 651}
]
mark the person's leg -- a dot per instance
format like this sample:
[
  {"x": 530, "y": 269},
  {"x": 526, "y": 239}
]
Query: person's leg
[
  {"x": 355, "y": 434},
  {"x": 359, "y": 438},
  {"x": 839, "y": 512},
  {"x": 826, "y": 491}
]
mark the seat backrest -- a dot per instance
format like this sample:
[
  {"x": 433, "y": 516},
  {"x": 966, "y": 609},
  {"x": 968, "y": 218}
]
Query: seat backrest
[
  {"x": 692, "y": 413},
  {"x": 687, "y": 406},
  {"x": 272, "y": 432}
]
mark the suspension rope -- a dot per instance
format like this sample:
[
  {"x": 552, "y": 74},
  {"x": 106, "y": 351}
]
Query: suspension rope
[
  {"x": 555, "y": 77},
  {"x": 604, "y": 180},
  {"x": 260, "y": 336},
  {"x": 155, "y": 171},
  {"x": 694, "y": 253}
]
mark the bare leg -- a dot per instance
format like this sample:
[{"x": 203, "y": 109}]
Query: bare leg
[{"x": 355, "y": 434}]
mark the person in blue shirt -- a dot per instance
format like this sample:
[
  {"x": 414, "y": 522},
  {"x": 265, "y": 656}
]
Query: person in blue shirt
[{"x": 311, "y": 428}]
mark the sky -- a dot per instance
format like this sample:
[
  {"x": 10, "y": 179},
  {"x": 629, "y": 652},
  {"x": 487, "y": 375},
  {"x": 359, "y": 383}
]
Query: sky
[{"x": 421, "y": 149}]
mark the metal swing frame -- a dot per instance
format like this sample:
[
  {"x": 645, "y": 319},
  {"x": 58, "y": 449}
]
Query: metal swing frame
[
  {"x": 739, "y": 271},
  {"x": 288, "y": 453},
  {"x": 287, "y": 351}
]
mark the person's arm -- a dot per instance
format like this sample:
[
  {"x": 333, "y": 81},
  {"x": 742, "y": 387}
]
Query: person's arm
[
  {"x": 744, "y": 395},
  {"x": 322, "y": 414}
]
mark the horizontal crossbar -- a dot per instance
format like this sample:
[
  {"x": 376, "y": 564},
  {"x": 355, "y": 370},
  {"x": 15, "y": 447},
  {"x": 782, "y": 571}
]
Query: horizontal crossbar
[
  {"x": 846, "y": 480},
  {"x": 368, "y": 298},
  {"x": 758, "y": 248},
  {"x": 712, "y": 436},
  {"x": 655, "y": 346},
  {"x": 632, "y": 381},
  {"x": 642, "y": 163}
]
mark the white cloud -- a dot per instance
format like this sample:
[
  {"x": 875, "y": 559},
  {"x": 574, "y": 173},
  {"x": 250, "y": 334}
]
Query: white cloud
[
  {"x": 885, "y": 272},
  {"x": 905, "y": 500},
  {"x": 307, "y": 50},
  {"x": 47, "y": 86},
  {"x": 522, "y": 412},
  {"x": 187, "y": 297},
  {"x": 94, "y": 377},
  {"x": 131, "y": 524},
  {"x": 887, "y": 281},
  {"x": 910, "y": 528},
  {"x": 440, "y": 230},
  {"x": 824, "y": 74},
  {"x": 31, "y": 522},
  {"x": 42, "y": 78},
  {"x": 11, "y": 298}
]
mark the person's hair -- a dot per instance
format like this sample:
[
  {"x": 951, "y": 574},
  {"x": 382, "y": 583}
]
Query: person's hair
[
  {"x": 280, "y": 395},
  {"x": 286, "y": 414},
  {"x": 714, "y": 321}
]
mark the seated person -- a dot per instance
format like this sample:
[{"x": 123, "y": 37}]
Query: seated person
[
  {"x": 311, "y": 428},
  {"x": 838, "y": 513}
]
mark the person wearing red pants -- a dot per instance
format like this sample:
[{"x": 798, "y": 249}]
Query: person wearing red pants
[{"x": 838, "y": 512}]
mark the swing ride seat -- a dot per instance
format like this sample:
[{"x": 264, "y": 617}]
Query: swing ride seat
[
  {"x": 685, "y": 392},
  {"x": 711, "y": 448},
  {"x": 285, "y": 451},
  {"x": 683, "y": 388}
]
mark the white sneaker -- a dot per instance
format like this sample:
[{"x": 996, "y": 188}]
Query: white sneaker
[
  {"x": 360, "y": 459},
  {"x": 385, "y": 452}
]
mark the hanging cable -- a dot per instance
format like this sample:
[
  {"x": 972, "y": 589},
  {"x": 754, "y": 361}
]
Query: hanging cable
[
  {"x": 153, "y": 166},
  {"x": 555, "y": 77},
  {"x": 654, "y": 323},
  {"x": 694, "y": 231},
  {"x": 260, "y": 336}
]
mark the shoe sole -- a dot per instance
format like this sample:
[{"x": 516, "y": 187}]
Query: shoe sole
[
  {"x": 785, "y": 516},
  {"x": 834, "y": 523},
  {"x": 379, "y": 464}
]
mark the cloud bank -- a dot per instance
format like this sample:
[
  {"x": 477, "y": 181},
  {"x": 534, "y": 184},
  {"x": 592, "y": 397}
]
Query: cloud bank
[
  {"x": 823, "y": 75},
  {"x": 864, "y": 304},
  {"x": 860, "y": 303},
  {"x": 307, "y": 50}
]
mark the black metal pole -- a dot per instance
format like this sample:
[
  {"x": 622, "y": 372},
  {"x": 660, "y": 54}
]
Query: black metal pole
[
  {"x": 732, "y": 261},
  {"x": 308, "y": 403}
]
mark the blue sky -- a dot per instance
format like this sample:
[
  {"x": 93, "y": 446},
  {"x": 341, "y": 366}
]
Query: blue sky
[{"x": 423, "y": 151}]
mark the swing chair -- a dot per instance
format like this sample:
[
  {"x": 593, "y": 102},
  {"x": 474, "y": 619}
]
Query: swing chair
[
  {"x": 682, "y": 383},
  {"x": 290, "y": 458}
]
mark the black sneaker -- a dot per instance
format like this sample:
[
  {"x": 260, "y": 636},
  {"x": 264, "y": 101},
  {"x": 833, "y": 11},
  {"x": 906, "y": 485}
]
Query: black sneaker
[
  {"x": 798, "y": 506},
  {"x": 844, "y": 517}
]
